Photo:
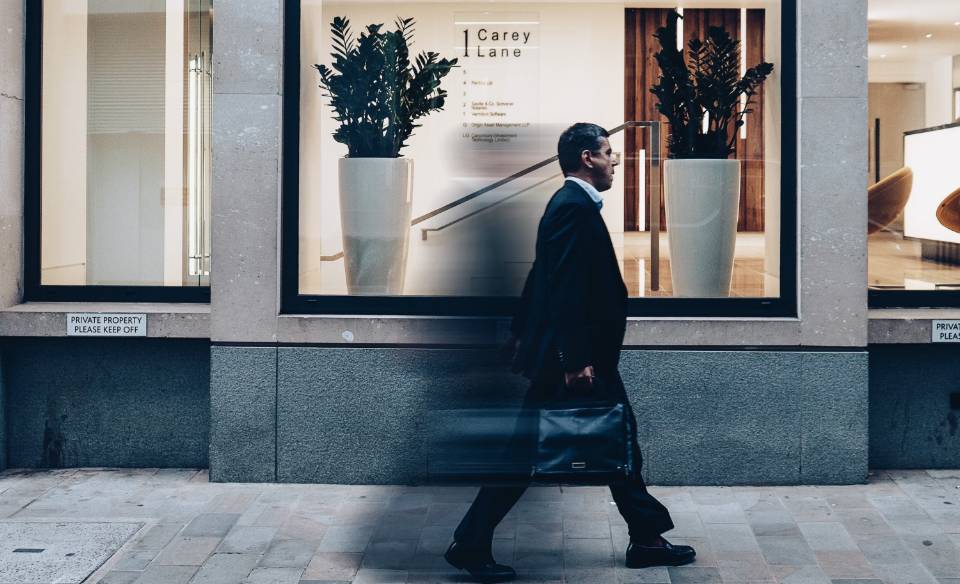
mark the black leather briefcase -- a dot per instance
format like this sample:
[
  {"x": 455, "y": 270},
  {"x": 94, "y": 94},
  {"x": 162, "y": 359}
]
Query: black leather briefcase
[{"x": 583, "y": 443}]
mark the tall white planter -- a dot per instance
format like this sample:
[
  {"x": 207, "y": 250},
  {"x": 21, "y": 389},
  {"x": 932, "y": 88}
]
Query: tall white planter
[
  {"x": 375, "y": 203},
  {"x": 702, "y": 201}
]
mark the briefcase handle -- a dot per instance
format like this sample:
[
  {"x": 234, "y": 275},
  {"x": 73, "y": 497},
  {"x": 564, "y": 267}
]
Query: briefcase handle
[{"x": 598, "y": 395}]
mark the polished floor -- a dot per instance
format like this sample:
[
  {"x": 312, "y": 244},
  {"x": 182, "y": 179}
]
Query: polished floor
[
  {"x": 435, "y": 268},
  {"x": 896, "y": 263},
  {"x": 901, "y": 527}
]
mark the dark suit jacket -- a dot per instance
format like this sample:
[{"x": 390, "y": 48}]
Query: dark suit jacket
[{"x": 573, "y": 309}]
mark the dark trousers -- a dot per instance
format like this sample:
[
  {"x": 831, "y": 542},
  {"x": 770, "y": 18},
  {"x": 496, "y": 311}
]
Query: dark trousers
[{"x": 646, "y": 517}]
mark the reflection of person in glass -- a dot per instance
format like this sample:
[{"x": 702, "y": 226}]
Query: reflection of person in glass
[{"x": 570, "y": 326}]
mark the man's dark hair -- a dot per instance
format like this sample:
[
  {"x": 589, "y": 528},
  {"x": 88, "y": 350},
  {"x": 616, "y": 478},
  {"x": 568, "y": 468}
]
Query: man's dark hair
[{"x": 576, "y": 139}]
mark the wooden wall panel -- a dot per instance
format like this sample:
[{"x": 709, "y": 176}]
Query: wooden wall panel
[
  {"x": 641, "y": 73},
  {"x": 751, "y": 149}
]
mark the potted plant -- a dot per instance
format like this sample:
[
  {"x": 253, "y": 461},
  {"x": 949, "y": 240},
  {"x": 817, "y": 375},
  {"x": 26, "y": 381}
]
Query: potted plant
[
  {"x": 378, "y": 95},
  {"x": 701, "y": 98}
]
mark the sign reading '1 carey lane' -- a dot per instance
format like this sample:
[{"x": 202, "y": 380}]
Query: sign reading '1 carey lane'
[
  {"x": 497, "y": 82},
  {"x": 102, "y": 324},
  {"x": 945, "y": 331}
]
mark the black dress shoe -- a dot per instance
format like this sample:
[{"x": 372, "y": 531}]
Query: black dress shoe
[
  {"x": 665, "y": 554},
  {"x": 480, "y": 566}
]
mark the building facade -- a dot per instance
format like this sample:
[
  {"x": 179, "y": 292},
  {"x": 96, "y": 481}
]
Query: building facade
[{"x": 268, "y": 356}]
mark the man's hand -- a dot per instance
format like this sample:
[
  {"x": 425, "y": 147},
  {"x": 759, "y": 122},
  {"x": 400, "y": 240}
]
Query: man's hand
[{"x": 582, "y": 379}]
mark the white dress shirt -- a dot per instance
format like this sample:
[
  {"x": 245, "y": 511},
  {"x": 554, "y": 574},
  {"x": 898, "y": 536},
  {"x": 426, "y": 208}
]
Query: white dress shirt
[{"x": 591, "y": 190}]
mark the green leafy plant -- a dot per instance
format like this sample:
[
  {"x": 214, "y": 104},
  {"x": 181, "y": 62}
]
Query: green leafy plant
[
  {"x": 375, "y": 90},
  {"x": 707, "y": 84}
]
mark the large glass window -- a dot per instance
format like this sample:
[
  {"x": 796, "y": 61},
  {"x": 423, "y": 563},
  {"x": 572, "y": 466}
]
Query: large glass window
[
  {"x": 914, "y": 129},
  {"x": 454, "y": 211},
  {"x": 125, "y": 160}
]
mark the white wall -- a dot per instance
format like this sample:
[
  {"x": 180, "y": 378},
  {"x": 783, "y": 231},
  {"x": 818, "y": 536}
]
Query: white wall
[
  {"x": 936, "y": 75},
  {"x": 64, "y": 137}
]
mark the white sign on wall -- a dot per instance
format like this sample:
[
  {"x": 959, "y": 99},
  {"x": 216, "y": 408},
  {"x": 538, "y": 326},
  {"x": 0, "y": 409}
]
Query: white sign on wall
[
  {"x": 103, "y": 324},
  {"x": 945, "y": 331},
  {"x": 497, "y": 81},
  {"x": 935, "y": 175}
]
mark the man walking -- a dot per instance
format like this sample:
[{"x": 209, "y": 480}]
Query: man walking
[{"x": 570, "y": 326}]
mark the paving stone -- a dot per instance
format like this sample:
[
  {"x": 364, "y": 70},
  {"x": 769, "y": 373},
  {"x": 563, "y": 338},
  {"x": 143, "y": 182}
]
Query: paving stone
[
  {"x": 590, "y": 574},
  {"x": 799, "y": 575},
  {"x": 732, "y": 538},
  {"x": 446, "y": 513},
  {"x": 346, "y": 539},
  {"x": 829, "y": 536},
  {"x": 157, "y": 536},
  {"x": 537, "y": 511},
  {"x": 898, "y": 508},
  {"x": 247, "y": 540},
  {"x": 371, "y": 576},
  {"x": 587, "y": 553},
  {"x": 808, "y": 508},
  {"x": 847, "y": 497},
  {"x": 937, "y": 554},
  {"x": 916, "y": 527},
  {"x": 906, "y": 574},
  {"x": 884, "y": 550},
  {"x": 362, "y": 513},
  {"x": 864, "y": 522},
  {"x": 187, "y": 551},
  {"x": 274, "y": 576},
  {"x": 160, "y": 574},
  {"x": 694, "y": 575},
  {"x": 134, "y": 560},
  {"x": 896, "y": 529},
  {"x": 332, "y": 566},
  {"x": 722, "y": 513},
  {"x": 755, "y": 499},
  {"x": 845, "y": 564},
  {"x": 435, "y": 539},
  {"x": 789, "y": 551},
  {"x": 594, "y": 529},
  {"x": 654, "y": 575},
  {"x": 225, "y": 569},
  {"x": 686, "y": 524},
  {"x": 120, "y": 577},
  {"x": 301, "y": 527},
  {"x": 390, "y": 555},
  {"x": 210, "y": 524},
  {"x": 288, "y": 553},
  {"x": 742, "y": 567},
  {"x": 772, "y": 523}
]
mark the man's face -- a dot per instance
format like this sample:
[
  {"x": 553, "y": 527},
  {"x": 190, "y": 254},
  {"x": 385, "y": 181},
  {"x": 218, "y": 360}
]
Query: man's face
[{"x": 602, "y": 163}]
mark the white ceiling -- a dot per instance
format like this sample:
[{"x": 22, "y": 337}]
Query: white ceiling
[{"x": 894, "y": 23}]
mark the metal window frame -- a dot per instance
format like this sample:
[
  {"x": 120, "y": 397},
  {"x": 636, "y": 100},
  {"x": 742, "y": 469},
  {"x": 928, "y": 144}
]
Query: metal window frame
[
  {"x": 292, "y": 302},
  {"x": 34, "y": 290}
]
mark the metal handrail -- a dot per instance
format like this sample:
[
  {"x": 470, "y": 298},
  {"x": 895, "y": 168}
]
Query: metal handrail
[{"x": 655, "y": 160}]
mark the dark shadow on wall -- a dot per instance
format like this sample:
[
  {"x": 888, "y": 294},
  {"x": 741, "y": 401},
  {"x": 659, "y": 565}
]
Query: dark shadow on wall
[
  {"x": 914, "y": 411},
  {"x": 106, "y": 402}
]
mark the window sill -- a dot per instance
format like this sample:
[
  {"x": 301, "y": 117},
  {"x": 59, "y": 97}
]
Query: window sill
[
  {"x": 48, "y": 319},
  {"x": 378, "y": 330},
  {"x": 906, "y": 325}
]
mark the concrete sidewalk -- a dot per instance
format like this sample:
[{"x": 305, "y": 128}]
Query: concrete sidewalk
[{"x": 154, "y": 526}]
